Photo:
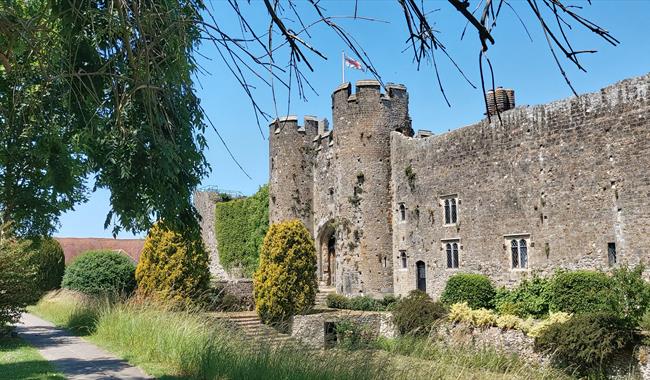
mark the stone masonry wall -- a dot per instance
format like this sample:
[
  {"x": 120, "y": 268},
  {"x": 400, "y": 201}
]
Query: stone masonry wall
[
  {"x": 571, "y": 176},
  {"x": 204, "y": 202},
  {"x": 352, "y": 184},
  {"x": 291, "y": 164}
]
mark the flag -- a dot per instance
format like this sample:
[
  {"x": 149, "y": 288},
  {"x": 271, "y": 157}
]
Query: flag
[{"x": 353, "y": 63}]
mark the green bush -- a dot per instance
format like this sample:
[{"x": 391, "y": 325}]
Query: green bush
[
  {"x": 632, "y": 293},
  {"x": 101, "y": 272},
  {"x": 18, "y": 286},
  {"x": 587, "y": 342},
  {"x": 475, "y": 289},
  {"x": 364, "y": 303},
  {"x": 173, "y": 267},
  {"x": 49, "y": 260},
  {"x": 416, "y": 313},
  {"x": 531, "y": 298},
  {"x": 582, "y": 291},
  {"x": 240, "y": 227},
  {"x": 285, "y": 283}
]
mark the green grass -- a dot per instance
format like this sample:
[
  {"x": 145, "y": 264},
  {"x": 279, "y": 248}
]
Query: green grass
[
  {"x": 174, "y": 345},
  {"x": 20, "y": 361}
]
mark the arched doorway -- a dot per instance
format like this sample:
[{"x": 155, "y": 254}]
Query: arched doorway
[
  {"x": 330, "y": 265},
  {"x": 327, "y": 254},
  {"x": 421, "y": 276}
]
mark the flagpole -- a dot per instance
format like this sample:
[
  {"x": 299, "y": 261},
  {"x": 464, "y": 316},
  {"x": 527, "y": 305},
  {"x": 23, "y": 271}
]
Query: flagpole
[{"x": 343, "y": 65}]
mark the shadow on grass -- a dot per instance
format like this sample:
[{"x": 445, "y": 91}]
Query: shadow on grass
[{"x": 19, "y": 361}]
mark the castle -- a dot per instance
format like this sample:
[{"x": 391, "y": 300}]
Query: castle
[{"x": 533, "y": 189}]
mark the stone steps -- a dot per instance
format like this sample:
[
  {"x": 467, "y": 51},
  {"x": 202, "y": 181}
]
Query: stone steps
[
  {"x": 253, "y": 328},
  {"x": 323, "y": 292}
]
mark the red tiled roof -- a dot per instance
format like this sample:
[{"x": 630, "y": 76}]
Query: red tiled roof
[{"x": 73, "y": 247}]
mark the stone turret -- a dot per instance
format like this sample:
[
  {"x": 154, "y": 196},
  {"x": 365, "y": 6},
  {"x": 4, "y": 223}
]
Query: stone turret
[
  {"x": 363, "y": 121},
  {"x": 291, "y": 169}
]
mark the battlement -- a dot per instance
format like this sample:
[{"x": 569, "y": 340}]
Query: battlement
[
  {"x": 368, "y": 89},
  {"x": 312, "y": 125}
]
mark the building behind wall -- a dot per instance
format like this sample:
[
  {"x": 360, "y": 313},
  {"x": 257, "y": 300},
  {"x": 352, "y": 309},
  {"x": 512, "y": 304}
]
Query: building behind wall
[{"x": 561, "y": 185}]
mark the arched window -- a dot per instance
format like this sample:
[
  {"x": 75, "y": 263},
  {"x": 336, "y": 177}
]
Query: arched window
[
  {"x": 452, "y": 254},
  {"x": 402, "y": 212},
  {"x": 451, "y": 210},
  {"x": 519, "y": 253},
  {"x": 514, "y": 247},
  {"x": 447, "y": 212},
  {"x": 523, "y": 254},
  {"x": 454, "y": 214},
  {"x": 402, "y": 257}
]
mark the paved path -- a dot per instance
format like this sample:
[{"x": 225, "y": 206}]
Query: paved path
[{"x": 74, "y": 357}]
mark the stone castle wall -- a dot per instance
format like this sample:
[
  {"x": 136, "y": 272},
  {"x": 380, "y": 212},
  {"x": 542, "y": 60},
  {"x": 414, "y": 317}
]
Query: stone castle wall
[
  {"x": 571, "y": 177},
  {"x": 352, "y": 185},
  {"x": 204, "y": 202}
]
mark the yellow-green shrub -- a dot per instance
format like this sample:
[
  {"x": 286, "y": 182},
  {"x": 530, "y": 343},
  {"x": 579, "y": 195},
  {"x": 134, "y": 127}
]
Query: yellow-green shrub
[
  {"x": 511, "y": 322},
  {"x": 461, "y": 312},
  {"x": 553, "y": 318},
  {"x": 173, "y": 266},
  {"x": 285, "y": 283}
]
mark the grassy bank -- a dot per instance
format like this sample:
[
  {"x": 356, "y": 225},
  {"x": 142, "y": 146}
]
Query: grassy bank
[
  {"x": 191, "y": 345},
  {"x": 20, "y": 361}
]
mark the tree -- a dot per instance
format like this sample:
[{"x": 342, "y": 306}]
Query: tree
[
  {"x": 104, "y": 89},
  {"x": 285, "y": 283},
  {"x": 172, "y": 267},
  {"x": 18, "y": 286}
]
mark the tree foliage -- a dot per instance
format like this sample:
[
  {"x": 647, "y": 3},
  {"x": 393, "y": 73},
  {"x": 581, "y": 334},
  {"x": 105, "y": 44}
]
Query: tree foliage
[
  {"x": 99, "y": 88},
  {"x": 172, "y": 267},
  {"x": 475, "y": 289},
  {"x": 18, "y": 286},
  {"x": 240, "y": 226},
  {"x": 285, "y": 283},
  {"x": 49, "y": 260}
]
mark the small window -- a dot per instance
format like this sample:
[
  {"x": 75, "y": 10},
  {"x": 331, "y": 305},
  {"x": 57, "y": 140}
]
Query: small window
[
  {"x": 402, "y": 212},
  {"x": 451, "y": 210},
  {"x": 519, "y": 253},
  {"x": 385, "y": 262},
  {"x": 611, "y": 253},
  {"x": 402, "y": 258},
  {"x": 451, "y": 249}
]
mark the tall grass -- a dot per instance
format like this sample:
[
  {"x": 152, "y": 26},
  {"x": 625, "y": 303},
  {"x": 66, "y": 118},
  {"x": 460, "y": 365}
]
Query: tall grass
[
  {"x": 194, "y": 346},
  {"x": 172, "y": 345}
]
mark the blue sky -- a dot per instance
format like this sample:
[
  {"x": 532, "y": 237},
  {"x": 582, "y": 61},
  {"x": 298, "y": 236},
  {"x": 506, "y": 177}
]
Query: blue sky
[{"x": 518, "y": 63}]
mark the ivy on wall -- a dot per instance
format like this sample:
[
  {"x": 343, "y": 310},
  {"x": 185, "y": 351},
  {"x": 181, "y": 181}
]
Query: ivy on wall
[{"x": 240, "y": 226}]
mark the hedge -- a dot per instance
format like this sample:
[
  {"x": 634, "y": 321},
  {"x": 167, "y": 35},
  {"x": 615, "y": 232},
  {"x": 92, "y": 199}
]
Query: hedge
[
  {"x": 240, "y": 227},
  {"x": 583, "y": 291},
  {"x": 100, "y": 272},
  {"x": 475, "y": 289}
]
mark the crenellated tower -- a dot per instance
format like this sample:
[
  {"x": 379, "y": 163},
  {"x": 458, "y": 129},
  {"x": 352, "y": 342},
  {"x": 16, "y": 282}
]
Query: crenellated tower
[
  {"x": 291, "y": 169},
  {"x": 363, "y": 121}
]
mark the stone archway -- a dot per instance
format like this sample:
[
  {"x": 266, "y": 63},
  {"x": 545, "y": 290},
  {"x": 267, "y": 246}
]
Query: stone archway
[{"x": 327, "y": 254}]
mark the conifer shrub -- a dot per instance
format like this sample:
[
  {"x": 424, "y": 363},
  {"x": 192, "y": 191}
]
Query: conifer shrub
[
  {"x": 173, "y": 266},
  {"x": 18, "y": 287},
  {"x": 100, "y": 273},
  {"x": 475, "y": 289},
  {"x": 47, "y": 256},
  {"x": 416, "y": 313},
  {"x": 587, "y": 342},
  {"x": 582, "y": 291},
  {"x": 285, "y": 283}
]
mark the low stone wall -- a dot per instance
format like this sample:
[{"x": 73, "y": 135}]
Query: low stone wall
[
  {"x": 241, "y": 289},
  {"x": 312, "y": 329},
  {"x": 507, "y": 341},
  {"x": 518, "y": 343}
]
